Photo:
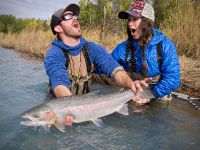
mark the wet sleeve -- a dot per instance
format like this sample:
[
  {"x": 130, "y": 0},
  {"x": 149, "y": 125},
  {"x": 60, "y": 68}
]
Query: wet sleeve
[
  {"x": 104, "y": 62},
  {"x": 55, "y": 68}
]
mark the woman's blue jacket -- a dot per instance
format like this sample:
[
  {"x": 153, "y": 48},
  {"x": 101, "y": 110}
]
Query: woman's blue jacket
[{"x": 169, "y": 69}]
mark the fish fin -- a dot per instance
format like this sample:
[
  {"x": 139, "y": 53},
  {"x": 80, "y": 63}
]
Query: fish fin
[
  {"x": 124, "y": 110},
  {"x": 146, "y": 94},
  {"x": 122, "y": 89},
  {"x": 59, "y": 126},
  {"x": 98, "y": 122}
]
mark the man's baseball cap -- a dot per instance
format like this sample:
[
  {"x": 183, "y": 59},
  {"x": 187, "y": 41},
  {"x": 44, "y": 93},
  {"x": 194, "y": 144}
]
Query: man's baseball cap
[
  {"x": 138, "y": 9},
  {"x": 57, "y": 16}
]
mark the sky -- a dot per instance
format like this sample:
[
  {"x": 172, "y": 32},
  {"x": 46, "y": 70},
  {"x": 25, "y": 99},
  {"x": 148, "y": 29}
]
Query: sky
[{"x": 39, "y": 9}]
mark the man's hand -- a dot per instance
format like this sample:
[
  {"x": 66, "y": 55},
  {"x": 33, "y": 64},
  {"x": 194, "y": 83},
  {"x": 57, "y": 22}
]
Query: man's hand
[
  {"x": 69, "y": 120},
  {"x": 51, "y": 116}
]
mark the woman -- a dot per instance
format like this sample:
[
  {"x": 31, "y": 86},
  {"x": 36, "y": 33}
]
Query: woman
[{"x": 147, "y": 52}]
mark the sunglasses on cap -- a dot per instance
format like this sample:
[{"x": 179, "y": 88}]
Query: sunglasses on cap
[{"x": 68, "y": 16}]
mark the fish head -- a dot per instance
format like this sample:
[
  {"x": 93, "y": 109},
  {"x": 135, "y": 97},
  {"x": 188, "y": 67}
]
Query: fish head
[{"x": 36, "y": 116}]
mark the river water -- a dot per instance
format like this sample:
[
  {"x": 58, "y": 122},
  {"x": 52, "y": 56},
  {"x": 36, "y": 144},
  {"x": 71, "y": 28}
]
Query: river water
[{"x": 23, "y": 84}]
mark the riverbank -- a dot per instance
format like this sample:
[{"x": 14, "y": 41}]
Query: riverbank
[{"x": 190, "y": 75}]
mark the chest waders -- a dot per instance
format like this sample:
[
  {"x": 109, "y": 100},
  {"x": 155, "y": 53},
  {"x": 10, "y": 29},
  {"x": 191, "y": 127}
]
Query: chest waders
[
  {"x": 140, "y": 76},
  {"x": 80, "y": 84}
]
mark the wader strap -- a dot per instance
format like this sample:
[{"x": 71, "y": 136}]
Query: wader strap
[
  {"x": 144, "y": 65},
  {"x": 87, "y": 59},
  {"x": 132, "y": 60},
  {"x": 77, "y": 88},
  {"x": 159, "y": 54},
  {"x": 66, "y": 54},
  {"x": 85, "y": 87},
  {"x": 86, "y": 56},
  {"x": 80, "y": 87}
]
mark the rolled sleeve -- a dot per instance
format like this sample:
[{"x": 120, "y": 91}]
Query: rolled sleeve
[
  {"x": 104, "y": 62},
  {"x": 116, "y": 70}
]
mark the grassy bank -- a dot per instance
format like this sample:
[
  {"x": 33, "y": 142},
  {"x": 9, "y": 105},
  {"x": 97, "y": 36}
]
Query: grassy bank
[
  {"x": 190, "y": 75},
  {"x": 36, "y": 43},
  {"x": 31, "y": 42}
]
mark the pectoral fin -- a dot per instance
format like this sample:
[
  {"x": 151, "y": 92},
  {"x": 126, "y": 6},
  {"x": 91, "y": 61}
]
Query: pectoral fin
[
  {"x": 57, "y": 122},
  {"x": 98, "y": 122},
  {"x": 124, "y": 110},
  {"x": 59, "y": 126}
]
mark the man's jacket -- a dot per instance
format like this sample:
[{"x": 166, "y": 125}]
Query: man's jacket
[{"x": 55, "y": 61}]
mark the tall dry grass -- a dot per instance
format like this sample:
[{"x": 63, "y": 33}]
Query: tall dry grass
[
  {"x": 32, "y": 42},
  {"x": 183, "y": 26},
  {"x": 107, "y": 39},
  {"x": 36, "y": 43}
]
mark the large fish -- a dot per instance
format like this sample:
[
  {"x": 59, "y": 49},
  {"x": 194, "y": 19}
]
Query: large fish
[{"x": 88, "y": 107}]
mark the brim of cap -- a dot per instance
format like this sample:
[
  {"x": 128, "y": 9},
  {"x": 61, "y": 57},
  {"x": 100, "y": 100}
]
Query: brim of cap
[
  {"x": 125, "y": 14},
  {"x": 73, "y": 8}
]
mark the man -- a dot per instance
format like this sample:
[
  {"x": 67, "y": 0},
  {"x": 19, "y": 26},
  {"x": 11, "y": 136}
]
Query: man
[
  {"x": 147, "y": 52},
  {"x": 71, "y": 60}
]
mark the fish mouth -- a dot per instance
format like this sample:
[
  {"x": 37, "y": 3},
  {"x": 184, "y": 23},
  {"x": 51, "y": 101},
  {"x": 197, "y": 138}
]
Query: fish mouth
[
  {"x": 29, "y": 122},
  {"x": 32, "y": 122}
]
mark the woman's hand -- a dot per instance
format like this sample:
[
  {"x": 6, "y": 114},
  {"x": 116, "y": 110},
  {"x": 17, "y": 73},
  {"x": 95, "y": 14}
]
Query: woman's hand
[
  {"x": 140, "y": 101},
  {"x": 137, "y": 85}
]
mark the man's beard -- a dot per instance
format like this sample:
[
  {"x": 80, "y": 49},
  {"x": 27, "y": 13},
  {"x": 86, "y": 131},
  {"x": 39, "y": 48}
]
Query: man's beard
[{"x": 73, "y": 33}]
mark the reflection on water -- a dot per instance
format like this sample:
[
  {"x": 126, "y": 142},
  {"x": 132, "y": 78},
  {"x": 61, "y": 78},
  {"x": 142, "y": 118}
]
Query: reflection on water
[{"x": 159, "y": 126}]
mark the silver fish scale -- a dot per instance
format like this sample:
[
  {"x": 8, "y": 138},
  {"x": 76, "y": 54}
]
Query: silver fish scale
[
  {"x": 92, "y": 107},
  {"x": 85, "y": 99}
]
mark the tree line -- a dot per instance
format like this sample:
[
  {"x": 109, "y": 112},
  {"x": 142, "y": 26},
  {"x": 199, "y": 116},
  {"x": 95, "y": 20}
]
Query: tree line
[
  {"x": 94, "y": 13},
  {"x": 9, "y": 23}
]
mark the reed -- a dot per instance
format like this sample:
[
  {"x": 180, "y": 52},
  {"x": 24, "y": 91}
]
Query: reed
[
  {"x": 31, "y": 42},
  {"x": 107, "y": 39},
  {"x": 36, "y": 43},
  {"x": 182, "y": 26}
]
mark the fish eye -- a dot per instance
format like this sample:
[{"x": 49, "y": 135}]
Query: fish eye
[{"x": 36, "y": 116}]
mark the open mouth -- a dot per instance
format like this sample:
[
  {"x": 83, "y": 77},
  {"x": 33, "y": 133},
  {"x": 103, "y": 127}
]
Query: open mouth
[
  {"x": 132, "y": 30},
  {"x": 28, "y": 123},
  {"x": 33, "y": 123},
  {"x": 76, "y": 25}
]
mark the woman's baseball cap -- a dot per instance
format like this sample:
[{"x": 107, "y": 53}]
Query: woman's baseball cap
[{"x": 138, "y": 9}]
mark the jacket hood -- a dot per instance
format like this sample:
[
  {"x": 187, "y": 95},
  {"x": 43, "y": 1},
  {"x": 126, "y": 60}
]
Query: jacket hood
[
  {"x": 157, "y": 37},
  {"x": 72, "y": 50}
]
